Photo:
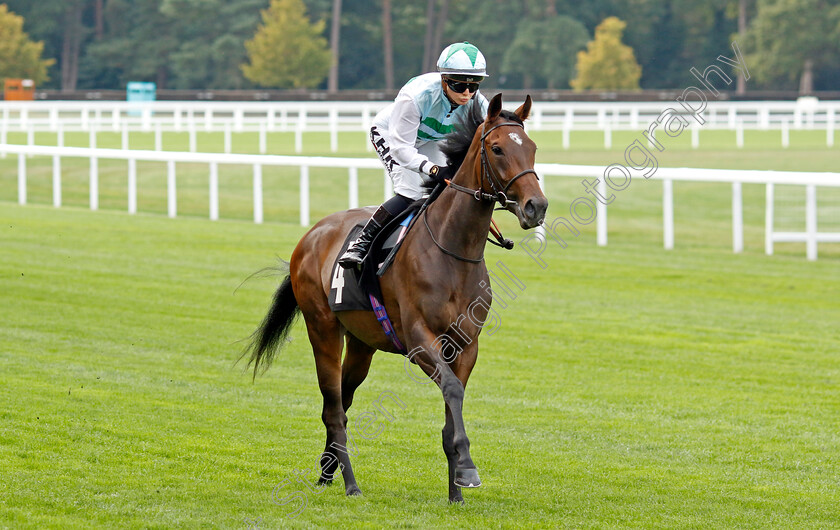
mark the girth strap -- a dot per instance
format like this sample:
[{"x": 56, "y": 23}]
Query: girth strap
[{"x": 387, "y": 327}]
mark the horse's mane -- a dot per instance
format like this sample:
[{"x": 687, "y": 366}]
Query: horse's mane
[{"x": 458, "y": 142}]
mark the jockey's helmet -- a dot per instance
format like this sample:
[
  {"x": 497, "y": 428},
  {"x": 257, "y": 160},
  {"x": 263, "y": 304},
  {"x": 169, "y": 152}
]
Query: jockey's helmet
[{"x": 463, "y": 60}]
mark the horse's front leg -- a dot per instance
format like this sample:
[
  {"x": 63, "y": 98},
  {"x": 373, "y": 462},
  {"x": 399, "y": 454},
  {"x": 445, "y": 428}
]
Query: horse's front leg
[
  {"x": 462, "y": 365},
  {"x": 456, "y": 444},
  {"x": 451, "y": 457}
]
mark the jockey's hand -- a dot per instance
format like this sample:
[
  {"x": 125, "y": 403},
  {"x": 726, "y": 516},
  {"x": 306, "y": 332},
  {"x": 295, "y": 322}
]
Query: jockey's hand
[{"x": 440, "y": 174}]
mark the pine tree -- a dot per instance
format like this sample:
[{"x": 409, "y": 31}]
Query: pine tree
[
  {"x": 287, "y": 51},
  {"x": 607, "y": 63},
  {"x": 19, "y": 56}
]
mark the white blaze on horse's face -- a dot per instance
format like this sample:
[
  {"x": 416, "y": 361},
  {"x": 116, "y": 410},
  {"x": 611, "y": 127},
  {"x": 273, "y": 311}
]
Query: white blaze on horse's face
[{"x": 527, "y": 202}]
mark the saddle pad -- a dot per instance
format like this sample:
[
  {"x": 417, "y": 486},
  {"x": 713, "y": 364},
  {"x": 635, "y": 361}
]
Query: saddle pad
[{"x": 345, "y": 292}]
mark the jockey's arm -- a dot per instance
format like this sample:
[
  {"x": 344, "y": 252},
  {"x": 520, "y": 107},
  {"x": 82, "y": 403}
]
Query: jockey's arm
[{"x": 405, "y": 121}]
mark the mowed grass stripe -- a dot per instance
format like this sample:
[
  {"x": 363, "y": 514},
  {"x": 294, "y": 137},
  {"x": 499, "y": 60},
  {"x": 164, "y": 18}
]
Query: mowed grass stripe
[{"x": 626, "y": 386}]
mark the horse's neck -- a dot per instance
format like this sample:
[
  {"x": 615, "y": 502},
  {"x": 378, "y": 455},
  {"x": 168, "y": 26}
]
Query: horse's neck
[{"x": 460, "y": 222}]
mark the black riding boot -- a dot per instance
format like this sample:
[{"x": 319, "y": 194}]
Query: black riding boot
[{"x": 359, "y": 248}]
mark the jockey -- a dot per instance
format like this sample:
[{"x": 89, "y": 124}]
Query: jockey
[{"x": 406, "y": 135}]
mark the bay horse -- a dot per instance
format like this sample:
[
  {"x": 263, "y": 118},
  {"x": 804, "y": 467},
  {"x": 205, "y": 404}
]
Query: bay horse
[{"x": 437, "y": 274}]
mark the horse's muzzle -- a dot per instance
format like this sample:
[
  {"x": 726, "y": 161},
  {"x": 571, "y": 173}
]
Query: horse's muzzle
[{"x": 533, "y": 212}]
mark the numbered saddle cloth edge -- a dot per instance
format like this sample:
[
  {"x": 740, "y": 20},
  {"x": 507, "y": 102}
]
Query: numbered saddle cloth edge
[{"x": 345, "y": 292}]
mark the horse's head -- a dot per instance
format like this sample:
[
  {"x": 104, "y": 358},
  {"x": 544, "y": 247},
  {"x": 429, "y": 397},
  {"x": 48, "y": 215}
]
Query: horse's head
[{"x": 507, "y": 162}]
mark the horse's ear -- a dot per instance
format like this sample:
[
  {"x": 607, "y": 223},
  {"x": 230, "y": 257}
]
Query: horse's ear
[
  {"x": 495, "y": 107},
  {"x": 525, "y": 110}
]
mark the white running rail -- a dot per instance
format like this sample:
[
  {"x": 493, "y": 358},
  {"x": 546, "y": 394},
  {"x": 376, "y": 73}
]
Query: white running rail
[
  {"x": 334, "y": 117},
  {"x": 811, "y": 181}
]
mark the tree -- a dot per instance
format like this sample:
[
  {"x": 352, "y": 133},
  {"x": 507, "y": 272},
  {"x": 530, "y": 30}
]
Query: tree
[
  {"x": 74, "y": 33},
  {"x": 741, "y": 82},
  {"x": 388, "y": 44},
  {"x": 362, "y": 45},
  {"x": 791, "y": 39},
  {"x": 428, "y": 52},
  {"x": 433, "y": 40},
  {"x": 437, "y": 40},
  {"x": 126, "y": 52},
  {"x": 210, "y": 40},
  {"x": 287, "y": 50},
  {"x": 20, "y": 57},
  {"x": 545, "y": 49},
  {"x": 607, "y": 63},
  {"x": 99, "y": 18},
  {"x": 490, "y": 25},
  {"x": 44, "y": 21},
  {"x": 335, "y": 46}
]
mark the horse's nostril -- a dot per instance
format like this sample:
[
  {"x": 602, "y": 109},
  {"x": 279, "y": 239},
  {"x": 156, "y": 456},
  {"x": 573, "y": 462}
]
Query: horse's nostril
[
  {"x": 540, "y": 207},
  {"x": 529, "y": 210}
]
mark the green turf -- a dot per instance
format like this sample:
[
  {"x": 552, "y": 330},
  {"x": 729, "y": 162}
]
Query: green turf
[{"x": 627, "y": 386}]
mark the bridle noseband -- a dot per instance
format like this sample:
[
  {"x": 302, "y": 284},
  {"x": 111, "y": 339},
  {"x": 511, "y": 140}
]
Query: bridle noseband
[
  {"x": 499, "y": 194},
  {"x": 488, "y": 173}
]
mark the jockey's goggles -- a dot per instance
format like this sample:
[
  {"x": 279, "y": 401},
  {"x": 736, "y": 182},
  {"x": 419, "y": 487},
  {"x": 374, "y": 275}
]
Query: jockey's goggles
[{"x": 459, "y": 86}]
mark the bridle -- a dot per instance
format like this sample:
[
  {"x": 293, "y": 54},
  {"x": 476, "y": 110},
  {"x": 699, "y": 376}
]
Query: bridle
[
  {"x": 488, "y": 173},
  {"x": 499, "y": 194}
]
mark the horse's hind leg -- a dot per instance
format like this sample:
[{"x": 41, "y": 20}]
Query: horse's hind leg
[
  {"x": 354, "y": 369},
  {"x": 326, "y": 338}
]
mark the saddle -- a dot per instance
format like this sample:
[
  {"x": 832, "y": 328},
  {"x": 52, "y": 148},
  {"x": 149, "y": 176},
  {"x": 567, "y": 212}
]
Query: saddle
[{"x": 350, "y": 289}]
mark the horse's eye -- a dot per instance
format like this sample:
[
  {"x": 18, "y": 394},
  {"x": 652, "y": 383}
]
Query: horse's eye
[{"x": 496, "y": 150}]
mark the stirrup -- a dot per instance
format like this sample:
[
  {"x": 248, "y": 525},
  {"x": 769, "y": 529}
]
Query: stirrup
[
  {"x": 358, "y": 250},
  {"x": 352, "y": 257}
]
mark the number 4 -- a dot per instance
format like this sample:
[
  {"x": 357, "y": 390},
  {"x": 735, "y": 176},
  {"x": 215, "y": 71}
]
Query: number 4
[{"x": 338, "y": 282}]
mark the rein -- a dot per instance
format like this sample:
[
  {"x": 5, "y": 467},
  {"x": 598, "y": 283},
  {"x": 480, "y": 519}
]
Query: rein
[
  {"x": 499, "y": 195},
  {"x": 449, "y": 252}
]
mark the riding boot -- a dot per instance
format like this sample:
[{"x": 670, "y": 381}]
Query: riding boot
[{"x": 359, "y": 248}]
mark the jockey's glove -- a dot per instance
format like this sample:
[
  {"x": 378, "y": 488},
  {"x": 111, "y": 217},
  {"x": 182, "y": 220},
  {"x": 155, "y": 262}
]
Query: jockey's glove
[{"x": 439, "y": 174}]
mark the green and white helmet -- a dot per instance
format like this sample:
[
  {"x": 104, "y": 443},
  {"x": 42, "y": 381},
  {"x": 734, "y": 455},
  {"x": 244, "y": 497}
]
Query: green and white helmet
[{"x": 462, "y": 59}]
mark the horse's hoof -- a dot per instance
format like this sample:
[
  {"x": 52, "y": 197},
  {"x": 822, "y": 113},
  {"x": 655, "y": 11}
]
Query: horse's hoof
[
  {"x": 327, "y": 481},
  {"x": 467, "y": 478},
  {"x": 353, "y": 491},
  {"x": 456, "y": 500}
]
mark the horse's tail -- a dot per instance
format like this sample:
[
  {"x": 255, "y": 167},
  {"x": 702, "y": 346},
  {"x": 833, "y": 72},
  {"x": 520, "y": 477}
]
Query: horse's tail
[{"x": 271, "y": 336}]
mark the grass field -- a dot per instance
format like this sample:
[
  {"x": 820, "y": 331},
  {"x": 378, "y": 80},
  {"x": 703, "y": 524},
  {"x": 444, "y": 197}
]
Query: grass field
[{"x": 627, "y": 386}]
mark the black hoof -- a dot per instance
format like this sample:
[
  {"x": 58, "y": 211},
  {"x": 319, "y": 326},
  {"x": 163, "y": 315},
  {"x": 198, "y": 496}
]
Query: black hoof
[
  {"x": 456, "y": 500},
  {"x": 353, "y": 491},
  {"x": 327, "y": 481},
  {"x": 467, "y": 478}
]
